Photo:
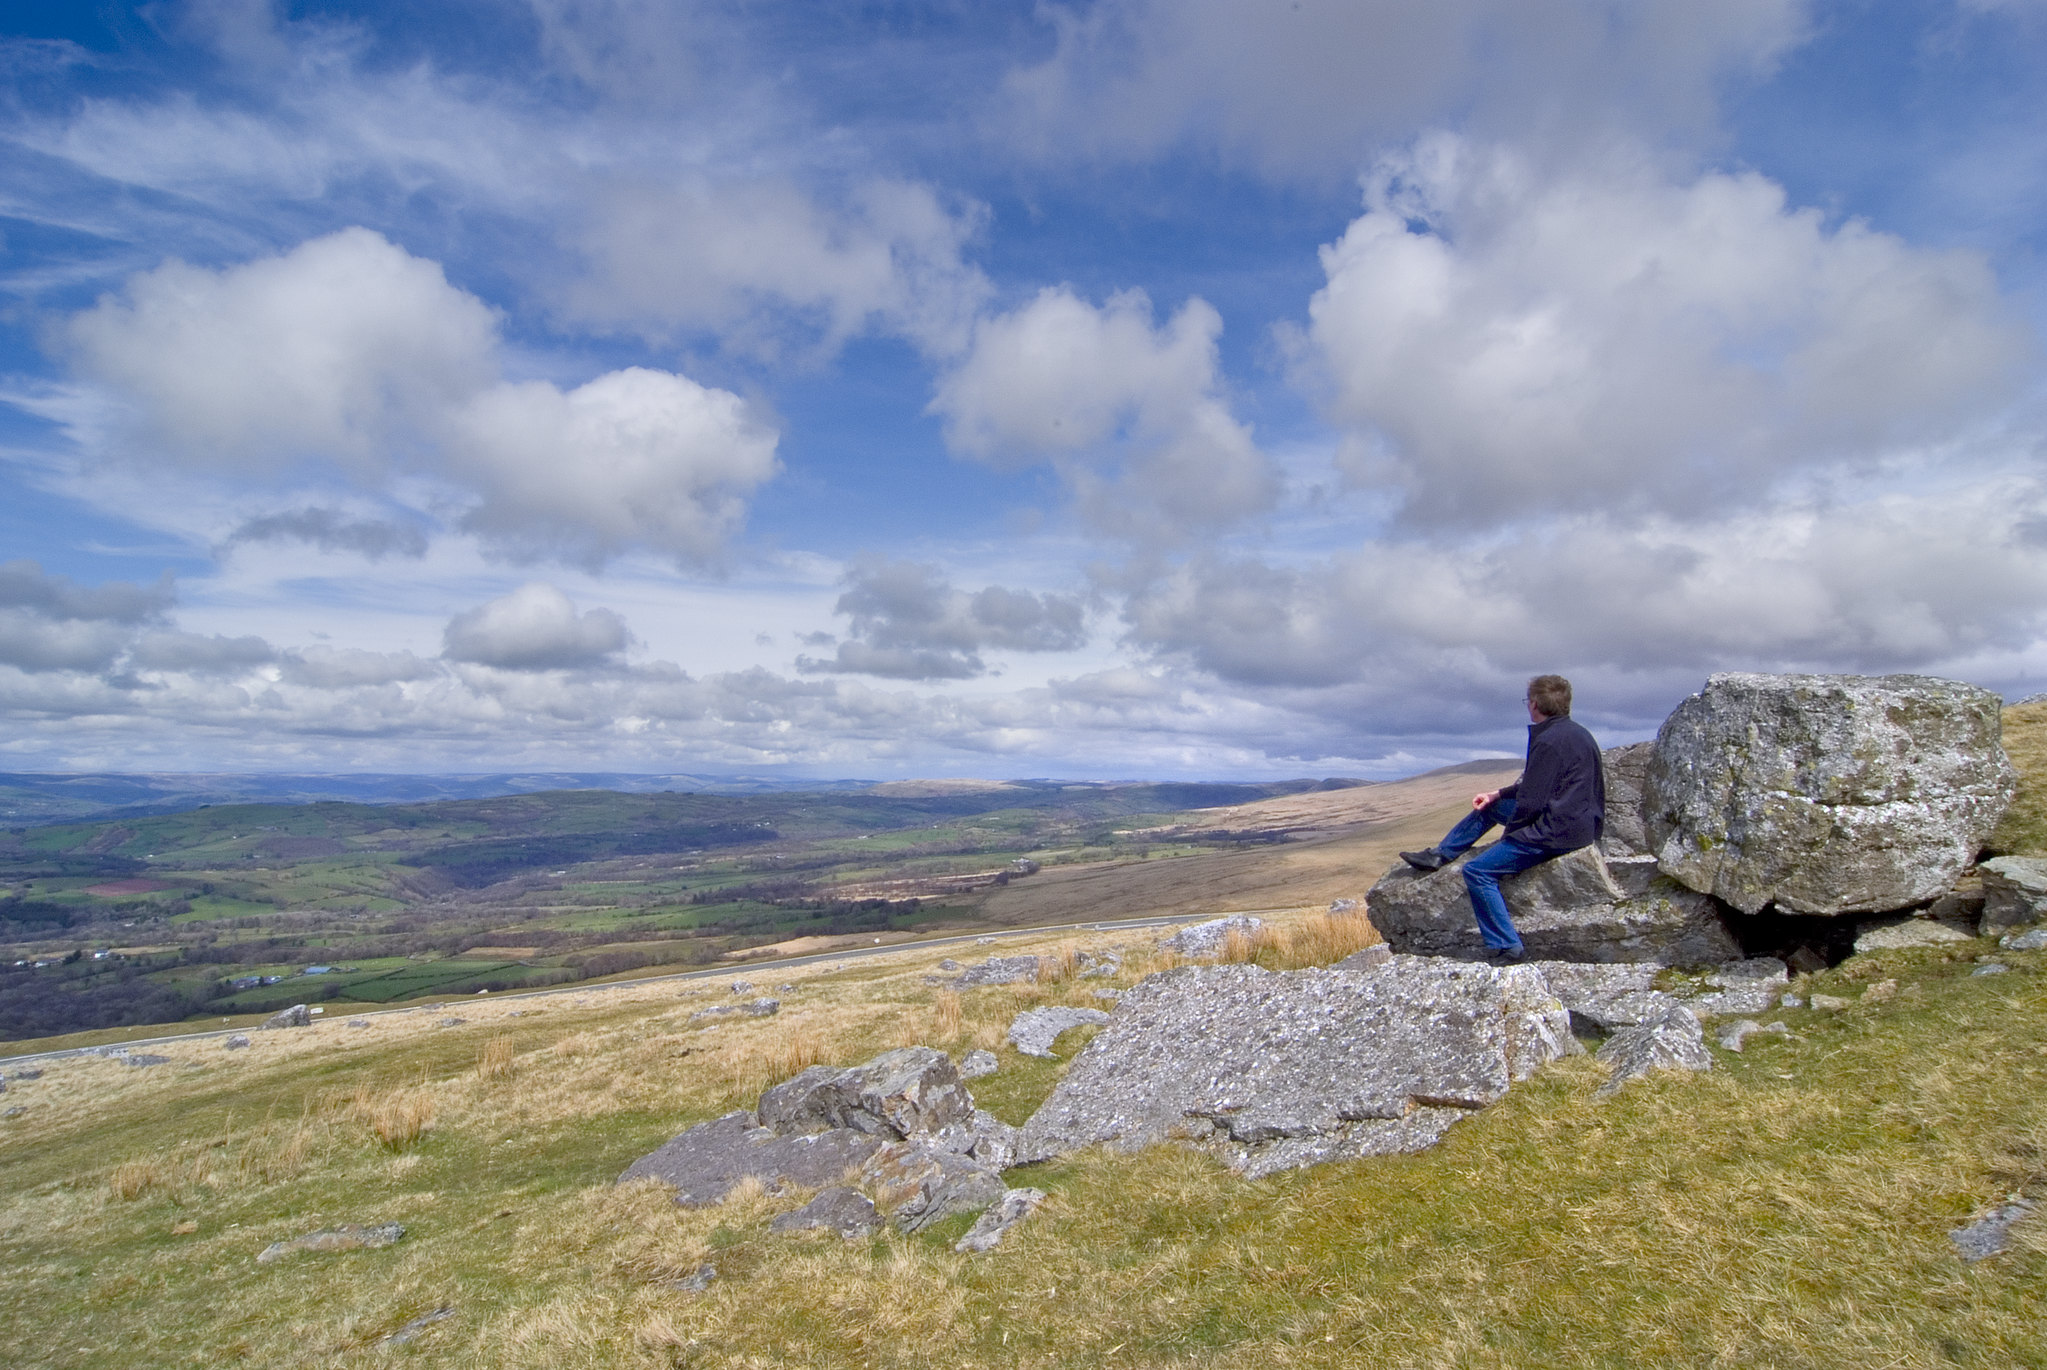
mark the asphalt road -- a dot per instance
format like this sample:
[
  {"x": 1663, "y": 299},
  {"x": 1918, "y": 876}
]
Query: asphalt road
[{"x": 741, "y": 970}]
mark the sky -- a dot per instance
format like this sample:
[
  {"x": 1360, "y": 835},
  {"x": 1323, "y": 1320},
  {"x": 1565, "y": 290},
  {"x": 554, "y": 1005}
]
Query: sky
[{"x": 1104, "y": 389}]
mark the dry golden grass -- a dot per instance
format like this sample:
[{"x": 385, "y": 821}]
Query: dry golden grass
[
  {"x": 1059, "y": 965},
  {"x": 494, "y": 1062},
  {"x": 397, "y": 1118},
  {"x": 2023, "y": 830}
]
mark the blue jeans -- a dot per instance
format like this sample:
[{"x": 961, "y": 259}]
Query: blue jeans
[{"x": 1484, "y": 872}]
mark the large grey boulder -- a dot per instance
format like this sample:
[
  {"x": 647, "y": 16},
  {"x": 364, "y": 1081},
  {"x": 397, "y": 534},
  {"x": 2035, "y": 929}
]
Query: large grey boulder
[
  {"x": 1272, "y": 1070},
  {"x": 898, "y": 1093},
  {"x": 1570, "y": 909},
  {"x": 1210, "y": 938},
  {"x": 2014, "y": 891},
  {"x": 1627, "y": 774},
  {"x": 298, "y": 1015},
  {"x": 1826, "y": 794},
  {"x": 708, "y": 1162}
]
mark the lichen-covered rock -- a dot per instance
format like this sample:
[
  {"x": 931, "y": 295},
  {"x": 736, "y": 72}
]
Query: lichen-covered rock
[
  {"x": 1743, "y": 986},
  {"x": 1893, "y": 934},
  {"x": 1826, "y": 794},
  {"x": 977, "y": 1063},
  {"x": 347, "y": 1237},
  {"x": 707, "y": 1162},
  {"x": 1272, "y": 1070},
  {"x": 1035, "y": 1029},
  {"x": 753, "y": 1008},
  {"x": 1988, "y": 1235},
  {"x": 1627, "y": 772},
  {"x": 298, "y": 1015},
  {"x": 999, "y": 970},
  {"x": 1200, "y": 940},
  {"x": 839, "y": 1209},
  {"x": 993, "y": 1225},
  {"x": 1672, "y": 1040},
  {"x": 1606, "y": 996},
  {"x": 932, "y": 1181},
  {"x": 2014, "y": 891},
  {"x": 909, "y": 1090},
  {"x": 1569, "y": 909}
]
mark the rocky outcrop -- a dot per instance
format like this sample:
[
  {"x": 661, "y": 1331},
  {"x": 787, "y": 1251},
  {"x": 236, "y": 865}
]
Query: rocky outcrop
[
  {"x": 977, "y": 1063},
  {"x": 298, "y": 1015},
  {"x": 2014, "y": 891},
  {"x": 1627, "y": 774},
  {"x": 753, "y": 1008},
  {"x": 1201, "y": 940},
  {"x": 1826, "y": 794},
  {"x": 1579, "y": 907},
  {"x": 1006, "y": 1212},
  {"x": 1274, "y": 1070},
  {"x": 1036, "y": 1029},
  {"x": 897, "y": 1094},
  {"x": 710, "y": 1160},
  {"x": 839, "y": 1209},
  {"x": 1672, "y": 1040},
  {"x": 999, "y": 970}
]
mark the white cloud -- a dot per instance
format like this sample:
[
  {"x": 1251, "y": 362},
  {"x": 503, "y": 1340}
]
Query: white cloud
[
  {"x": 1504, "y": 341},
  {"x": 351, "y": 350},
  {"x": 334, "y": 530},
  {"x": 1133, "y": 413},
  {"x": 764, "y": 263},
  {"x": 1311, "y": 87},
  {"x": 635, "y": 458},
  {"x": 535, "y": 628}
]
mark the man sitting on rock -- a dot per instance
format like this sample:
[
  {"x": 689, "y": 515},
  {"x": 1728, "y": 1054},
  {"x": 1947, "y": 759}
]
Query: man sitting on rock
[{"x": 1557, "y": 806}]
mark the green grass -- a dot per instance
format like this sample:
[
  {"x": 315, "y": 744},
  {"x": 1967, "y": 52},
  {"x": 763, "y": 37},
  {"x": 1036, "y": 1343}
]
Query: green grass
[{"x": 1790, "y": 1208}]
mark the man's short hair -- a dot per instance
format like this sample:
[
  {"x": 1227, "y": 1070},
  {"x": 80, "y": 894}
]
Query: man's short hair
[{"x": 1551, "y": 694}]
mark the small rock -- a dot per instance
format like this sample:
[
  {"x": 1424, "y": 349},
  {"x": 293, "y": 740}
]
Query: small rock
[
  {"x": 1791, "y": 1001},
  {"x": 978, "y": 1063},
  {"x": 742, "y": 987},
  {"x": 1748, "y": 986},
  {"x": 1344, "y": 906},
  {"x": 453, "y": 1022},
  {"x": 298, "y": 1015},
  {"x": 841, "y": 1209},
  {"x": 14, "y": 1112},
  {"x": 364, "y": 1022},
  {"x": 1673, "y": 1040},
  {"x": 758, "y": 1008},
  {"x": 949, "y": 964},
  {"x": 1209, "y": 939},
  {"x": 347, "y": 1237},
  {"x": 142, "y": 1059},
  {"x": 1737, "y": 1032},
  {"x": 1112, "y": 995},
  {"x": 2014, "y": 891},
  {"x": 1986, "y": 1236},
  {"x": 1096, "y": 967},
  {"x": 984, "y": 941},
  {"x": 1892, "y": 934},
  {"x": 2034, "y": 940},
  {"x": 235, "y": 1042},
  {"x": 1035, "y": 1030},
  {"x": 1830, "y": 1002},
  {"x": 1881, "y": 991},
  {"x": 994, "y": 1223},
  {"x": 999, "y": 970},
  {"x": 28, "y": 1075},
  {"x": 1991, "y": 968},
  {"x": 408, "y": 1333},
  {"x": 698, "y": 1282},
  {"x": 1371, "y": 958},
  {"x": 1806, "y": 961},
  {"x": 938, "y": 1181}
]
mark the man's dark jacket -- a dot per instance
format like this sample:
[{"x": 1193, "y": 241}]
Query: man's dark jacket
[{"x": 1560, "y": 799}]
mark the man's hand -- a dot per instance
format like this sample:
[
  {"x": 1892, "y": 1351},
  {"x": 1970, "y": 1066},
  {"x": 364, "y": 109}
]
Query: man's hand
[{"x": 1479, "y": 801}]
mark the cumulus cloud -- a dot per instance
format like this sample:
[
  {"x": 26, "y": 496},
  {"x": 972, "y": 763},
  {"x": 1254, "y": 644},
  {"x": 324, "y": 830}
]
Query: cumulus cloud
[
  {"x": 51, "y": 623},
  {"x": 350, "y": 350},
  {"x": 763, "y": 262},
  {"x": 333, "y": 530},
  {"x": 1501, "y": 340},
  {"x": 342, "y": 668},
  {"x": 199, "y": 654},
  {"x": 633, "y": 458},
  {"x": 1310, "y": 88},
  {"x": 1133, "y": 413},
  {"x": 910, "y": 623},
  {"x": 534, "y": 628}
]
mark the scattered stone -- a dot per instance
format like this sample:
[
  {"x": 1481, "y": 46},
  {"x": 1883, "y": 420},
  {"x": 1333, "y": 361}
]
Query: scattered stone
[
  {"x": 1748, "y": 986},
  {"x": 984, "y": 941},
  {"x": 1274, "y": 1070},
  {"x": 1832, "y": 1003},
  {"x": 1035, "y": 1029},
  {"x": 1826, "y": 794},
  {"x": 1881, "y": 991},
  {"x": 1739, "y": 1031},
  {"x": 298, "y": 1015},
  {"x": 1987, "y": 1235},
  {"x": 785, "y": 989},
  {"x": 1673, "y": 1040},
  {"x": 1991, "y": 968},
  {"x": 1806, "y": 961},
  {"x": 993, "y": 1225},
  {"x": 1345, "y": 906},
  {"x": 1895, "y": 934},
  {"x": 364, "y": 1022},
  {"x": 840, "y": 1209},
  {"x": 15, "y": 1112},
  {"x": 1790, "y": 1001},
  {"x": 2014, "y": 891},
  {"x": 1112, "y": 995},
  {"x": 697, "y": 1282},
  {"x": 999, "y": 970},
  {"x": 757, "y": 1008},
  {"x": 31, "y": 1074},
  {"x": 235, "y": 1042},
  {"x": 932, "y": 1182},
  {"x": 407, "y": 1334},
  {"x": 2024, "y": 941},
  {"x": 1569, "y": 909},
  {"x": 977, "y": 1063},
  {"x": 1605, "y": 997},
  {"x": 949, "y": 964},
  {"x": 143, "y": 1059},
  {"x": 1370, "y": 958},
  {"x": 1095, "y": 967},
  {"x": 347, "y": 1237},
  {"x": 453, "y": 1022},
  {"x": 1209, "y": 939},
  {"x": 897, "y": 1094},
  {"x": 741, "y": 987}
]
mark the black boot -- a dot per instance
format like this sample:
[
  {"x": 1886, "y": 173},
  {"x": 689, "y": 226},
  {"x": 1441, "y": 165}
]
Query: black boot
[{"x": 1427, "y": 859}]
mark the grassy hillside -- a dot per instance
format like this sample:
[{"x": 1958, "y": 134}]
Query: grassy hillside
[{"x": 1791, "y": 1208}]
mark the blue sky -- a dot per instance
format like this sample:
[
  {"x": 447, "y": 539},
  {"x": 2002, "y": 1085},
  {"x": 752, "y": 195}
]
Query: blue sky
[{"x": 1110, "y": 389}]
